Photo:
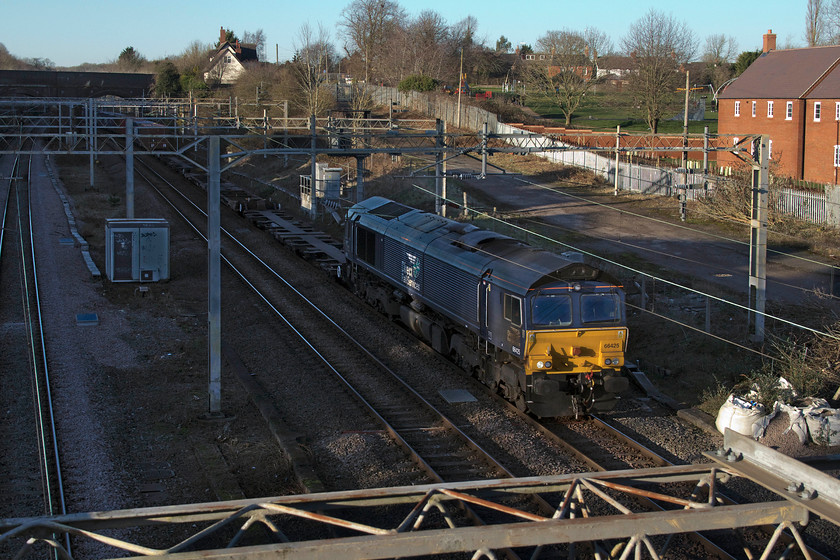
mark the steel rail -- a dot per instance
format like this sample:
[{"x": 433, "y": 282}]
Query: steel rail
[
  {"x": 45, "y": 362},
  {"x": 447, "y": 422},
  {"x": 624, "y": 438},
  {"x": 45, "y": 424},
  {"x": 388, "y": 426}
]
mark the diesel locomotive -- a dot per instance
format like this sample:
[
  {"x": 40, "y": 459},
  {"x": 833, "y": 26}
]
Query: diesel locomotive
[{"x": 546, "y": 331}]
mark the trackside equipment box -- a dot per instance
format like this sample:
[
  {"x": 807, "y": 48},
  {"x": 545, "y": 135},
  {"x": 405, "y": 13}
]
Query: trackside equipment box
[{"x": 137, "y": 250}]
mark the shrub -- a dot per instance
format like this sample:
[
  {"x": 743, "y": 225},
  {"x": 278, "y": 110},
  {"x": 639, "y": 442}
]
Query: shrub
[{"x": 418, "y": 83}]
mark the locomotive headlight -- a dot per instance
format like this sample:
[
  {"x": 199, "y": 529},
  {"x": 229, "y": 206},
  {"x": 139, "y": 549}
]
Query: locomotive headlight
[
  {"x": 548, "y": 364},
  {"x": 607, "y": 362},
  {"x": 540, "y": 364}
]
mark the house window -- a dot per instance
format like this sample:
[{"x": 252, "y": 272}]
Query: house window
[
  {"x": 513, "y": 309},
  {"x": 753, "y": 108},
  {"x": 769, "y": 109},
  {"x": 227, "y": 59},
  {"x": 837, "y": 111},
  {"x": 769, "y": 149},
  {"x": 737, "y": 108},
  {"x": 817, "y": 111},
  {"x": 789, "y": 111},
  {"x": 836, "y": 156}
]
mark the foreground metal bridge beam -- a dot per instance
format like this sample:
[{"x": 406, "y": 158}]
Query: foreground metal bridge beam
[{"x": 424, "y": 520}]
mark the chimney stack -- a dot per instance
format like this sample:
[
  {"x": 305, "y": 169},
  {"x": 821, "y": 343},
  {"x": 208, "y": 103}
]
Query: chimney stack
[
  {"x": 769, "y": 41},
  {"x": 221, "y": 35}
]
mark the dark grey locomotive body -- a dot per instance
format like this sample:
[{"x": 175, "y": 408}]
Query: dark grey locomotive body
[{"x": 478, "y": 297}]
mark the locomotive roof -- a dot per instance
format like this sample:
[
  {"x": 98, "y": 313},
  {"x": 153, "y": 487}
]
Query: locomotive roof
[{"x": 510, "y": 263}]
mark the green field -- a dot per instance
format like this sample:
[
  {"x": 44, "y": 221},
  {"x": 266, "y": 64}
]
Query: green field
[{"x": 606, "y": 111}]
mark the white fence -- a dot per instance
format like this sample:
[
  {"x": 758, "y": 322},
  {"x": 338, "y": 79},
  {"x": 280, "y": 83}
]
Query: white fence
[{"x": 819, "y": 208}]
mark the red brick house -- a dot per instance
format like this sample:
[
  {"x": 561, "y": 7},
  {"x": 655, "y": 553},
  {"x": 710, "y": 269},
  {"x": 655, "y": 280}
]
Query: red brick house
[{"x": 793, "y": 96}]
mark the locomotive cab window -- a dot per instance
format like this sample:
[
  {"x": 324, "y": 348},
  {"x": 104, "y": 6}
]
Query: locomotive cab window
[
  {"x": 366, "y": 245},
  {"x": 551, "y": 310},
  {"x": 513, "y": 310},
  {"x": 600, "y": 308}
]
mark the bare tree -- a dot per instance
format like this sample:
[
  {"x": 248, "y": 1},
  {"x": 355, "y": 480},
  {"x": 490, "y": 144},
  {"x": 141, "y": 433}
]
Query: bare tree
[
  {"x": 8, "y": 61},
  {"x": 464, "y": 32},
  {"x": 719, "y": 48},
  {"x": 719, "y": 53},
  {"x": 597, "y": 41},
  {"x": 815, "y": 23},
  {"x": 419, "y": 48},
  {"x": 429, "y": 35},
  {"x": 193, "y": 58},
  {"x": 658, "y": 45},
  {"x": 565, "y": 70},
  {"x": 466, "y": 42},
  {"x": 311, "y": 60},
  {"x": 256, "y": 38},
  {"x": 367, "y": 25},
  {"x": 833, "y": 22}
]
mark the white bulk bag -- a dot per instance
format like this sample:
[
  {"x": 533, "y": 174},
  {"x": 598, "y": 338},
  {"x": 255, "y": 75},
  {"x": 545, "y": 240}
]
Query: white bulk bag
[
  {"x": 745, "y": 417},
  {"x": 824, "y": 424}
]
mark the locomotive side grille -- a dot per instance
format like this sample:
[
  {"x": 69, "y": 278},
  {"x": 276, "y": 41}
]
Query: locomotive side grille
[
  {"x": 403, "y": 264},
  {"x": 452, "y": 288}
]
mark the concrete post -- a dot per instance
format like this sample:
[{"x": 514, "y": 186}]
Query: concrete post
[
  {"x": 360, "y": 178},
  {"x": 439, "y": 167},
  {"x": 758, "y": 242},
  {"x": 214, "y": 276},
  {"x": 91, "y": 137},
  {"x": 484, "y": 135},
  {"x": 617, "y": 146},
  {"x": 129, "y": 168},
  {"x": 313, "y": 184}
]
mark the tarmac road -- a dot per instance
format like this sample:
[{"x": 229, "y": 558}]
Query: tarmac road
[{"x": 614, "y": 231}]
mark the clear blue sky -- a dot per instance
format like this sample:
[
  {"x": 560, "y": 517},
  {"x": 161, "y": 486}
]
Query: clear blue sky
[{"x": 72, "y": 32}]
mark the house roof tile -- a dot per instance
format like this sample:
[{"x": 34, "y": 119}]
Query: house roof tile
[{"x": 786, "y": 74}]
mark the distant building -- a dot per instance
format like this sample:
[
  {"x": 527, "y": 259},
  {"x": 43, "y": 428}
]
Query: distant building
[
  {"x": 794, "y": 97},
  {"x": 229, "y": 61},
  {"x": 579, "y": 64}
]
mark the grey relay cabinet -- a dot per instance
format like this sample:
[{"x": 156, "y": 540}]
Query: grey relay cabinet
[{"x": 137, "y": 250}]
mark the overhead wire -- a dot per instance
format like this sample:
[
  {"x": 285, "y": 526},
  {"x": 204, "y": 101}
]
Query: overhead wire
[
  {"x": 636, "y": 271},
  {"x": 665, "y": 222},
  {"x": 664, "y": 254}
]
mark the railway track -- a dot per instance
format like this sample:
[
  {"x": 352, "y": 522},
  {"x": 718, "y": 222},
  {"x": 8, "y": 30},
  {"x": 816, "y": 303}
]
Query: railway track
[
  {"x": 439, "y": 447},
  {"x": 433, "y": 441},
  {"x": 422, "y": 435},
  {"x": 35, "y": 485}
]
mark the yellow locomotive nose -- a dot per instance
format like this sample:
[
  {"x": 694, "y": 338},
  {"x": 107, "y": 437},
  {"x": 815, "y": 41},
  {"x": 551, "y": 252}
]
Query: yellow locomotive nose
[{"x": 593, "y": 349}]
